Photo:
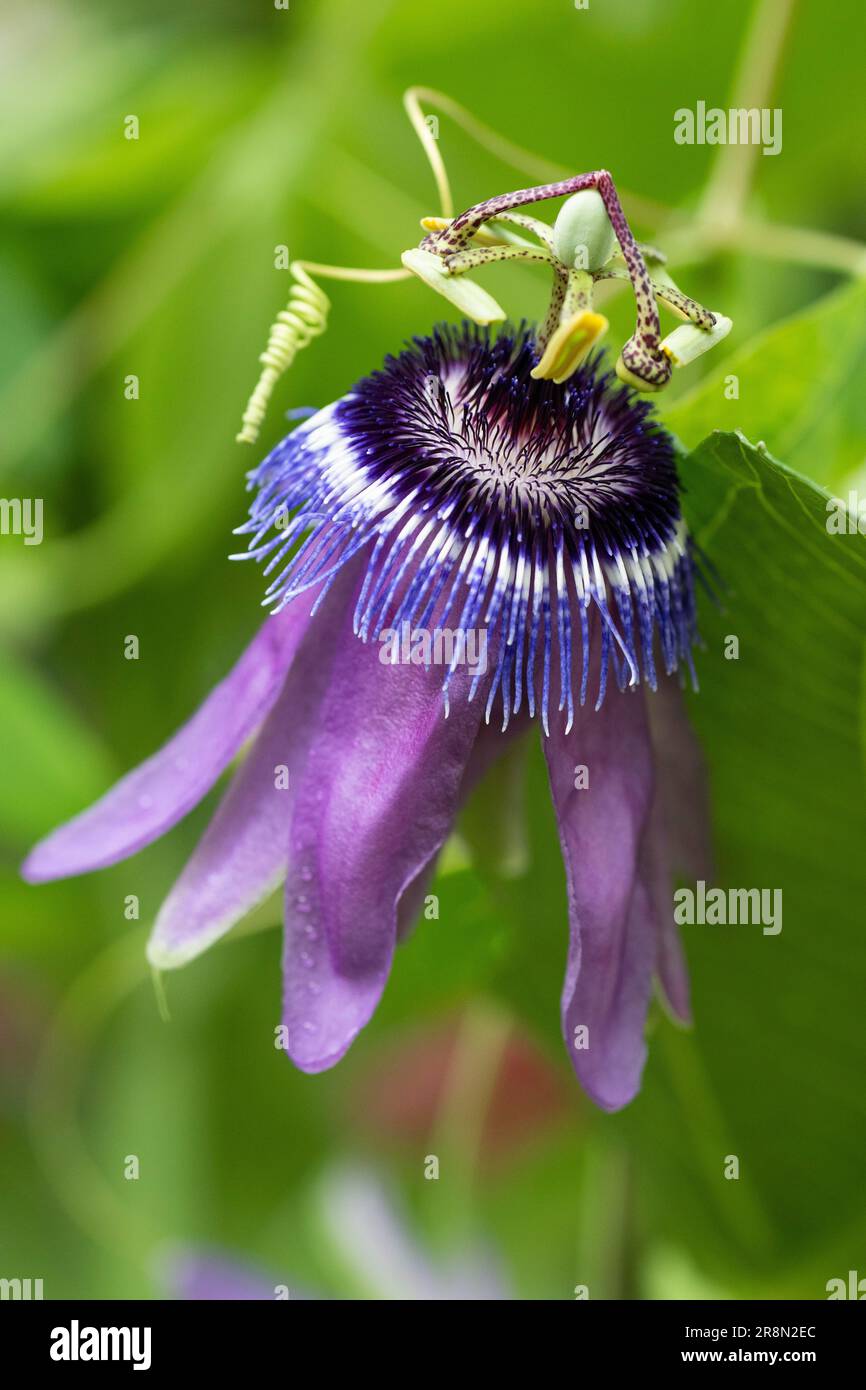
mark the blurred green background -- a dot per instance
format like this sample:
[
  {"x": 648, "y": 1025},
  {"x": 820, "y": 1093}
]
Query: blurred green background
[{"x": 260, "y": 127}]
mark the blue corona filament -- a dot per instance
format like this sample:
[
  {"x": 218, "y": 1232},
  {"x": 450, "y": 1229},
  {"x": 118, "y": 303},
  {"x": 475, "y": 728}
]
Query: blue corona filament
[{"x": 547, "y": 514}]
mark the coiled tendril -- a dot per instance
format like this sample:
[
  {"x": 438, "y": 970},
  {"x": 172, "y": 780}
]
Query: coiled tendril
[{"x": 304, "y": 318}]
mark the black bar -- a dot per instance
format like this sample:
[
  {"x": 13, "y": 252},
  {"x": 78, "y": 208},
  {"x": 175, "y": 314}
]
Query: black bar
[{"x": 263, "y": 1338}]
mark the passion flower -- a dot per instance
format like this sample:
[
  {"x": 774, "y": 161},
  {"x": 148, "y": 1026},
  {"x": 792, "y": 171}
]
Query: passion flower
[{"x": 456, "y": 489}]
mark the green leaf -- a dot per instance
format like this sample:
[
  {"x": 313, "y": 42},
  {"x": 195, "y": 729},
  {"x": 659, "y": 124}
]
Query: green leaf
[
  {"x": 799, "y": 389},
  {"x": 773, "y": 1070}
]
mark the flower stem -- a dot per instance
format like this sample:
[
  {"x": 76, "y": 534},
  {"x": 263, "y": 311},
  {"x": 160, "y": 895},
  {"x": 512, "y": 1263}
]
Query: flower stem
[
  {"x": 465, "y": 1105},
  {"x": 731, "y": 180}
]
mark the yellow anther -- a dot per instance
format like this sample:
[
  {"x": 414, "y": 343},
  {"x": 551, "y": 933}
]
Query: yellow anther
[{"x": 569, "y": 344}]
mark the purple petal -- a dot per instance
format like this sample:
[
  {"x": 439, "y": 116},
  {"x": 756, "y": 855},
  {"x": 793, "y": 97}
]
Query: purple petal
[
  {"x": 195, "y": 1276},
  {"x": 239, "y": 861},
  {"x": 670, "y": 966},
  {"x": 376, "y": 1245},
  {"x": 612, "y": 948},
  {"x": 683, "y": 791},
  {"x": 490, "y": 745},
  {"x": 151, "y": 799},
  {"x": 242, "y": 855},
  {"x": 680, "y": 829},
  {"x": 376, "y": 802}
]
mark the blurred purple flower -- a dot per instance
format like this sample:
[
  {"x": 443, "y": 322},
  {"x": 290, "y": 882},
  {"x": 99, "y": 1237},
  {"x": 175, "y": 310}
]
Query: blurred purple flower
[
  {"x": 196, "y": 1275},
  {"x": 368, "y": 1245},
  {"x": 449, "y": 492}
]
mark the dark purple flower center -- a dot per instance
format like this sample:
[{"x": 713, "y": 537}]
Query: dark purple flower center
[{"x": 488, "y": 499}]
